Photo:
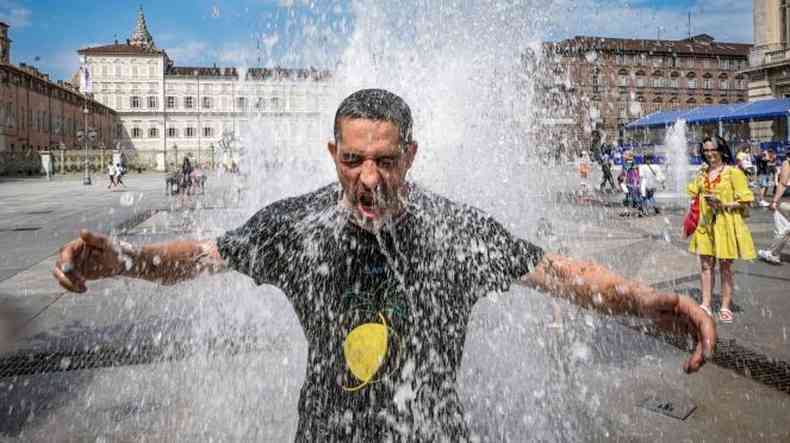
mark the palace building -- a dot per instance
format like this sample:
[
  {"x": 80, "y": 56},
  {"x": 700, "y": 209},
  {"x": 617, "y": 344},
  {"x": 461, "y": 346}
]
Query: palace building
[{"x": 168, "y": 111}]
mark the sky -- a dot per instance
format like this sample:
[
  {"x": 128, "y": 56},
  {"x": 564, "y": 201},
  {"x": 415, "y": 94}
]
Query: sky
[{"x": 47, "y": 33}]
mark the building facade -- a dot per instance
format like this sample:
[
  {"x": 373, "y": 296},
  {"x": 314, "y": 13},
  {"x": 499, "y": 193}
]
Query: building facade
[
  {"x": 613, "y": 81},
  {"x": 769, "y": 67},
  {"x": 37, "y": 114},
  {"x": 168, "y": 111}
]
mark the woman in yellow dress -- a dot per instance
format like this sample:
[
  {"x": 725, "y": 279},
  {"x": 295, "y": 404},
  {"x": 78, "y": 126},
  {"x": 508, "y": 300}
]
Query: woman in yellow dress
[{"x": 721, "y": 234}]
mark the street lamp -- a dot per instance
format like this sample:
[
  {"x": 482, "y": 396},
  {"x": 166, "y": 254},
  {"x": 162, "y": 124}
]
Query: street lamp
[{"x": 84, "y": 136}]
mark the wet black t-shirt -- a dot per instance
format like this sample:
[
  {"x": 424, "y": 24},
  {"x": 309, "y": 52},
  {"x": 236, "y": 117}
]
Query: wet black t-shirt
[{"x": 385, "y": 315}]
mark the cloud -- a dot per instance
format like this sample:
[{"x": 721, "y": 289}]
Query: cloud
[
  {"x": 200, "y": 53},
  {"x": 725, "y": 20},
  {"x": 189, "y": 53},
  {"x": 14, "y": 14}
]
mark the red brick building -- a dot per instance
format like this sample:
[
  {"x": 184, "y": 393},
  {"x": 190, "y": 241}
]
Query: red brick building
[
  {"x": 37, "y": 113},
  {"x": 611, "y": 81}
]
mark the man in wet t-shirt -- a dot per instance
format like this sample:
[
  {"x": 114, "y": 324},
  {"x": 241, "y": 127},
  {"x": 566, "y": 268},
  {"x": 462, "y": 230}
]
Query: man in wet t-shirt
[{"x": 383, "y": 276}]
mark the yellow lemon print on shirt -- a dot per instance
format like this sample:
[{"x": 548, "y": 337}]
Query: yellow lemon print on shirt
[{"x": 365, "y": 348}]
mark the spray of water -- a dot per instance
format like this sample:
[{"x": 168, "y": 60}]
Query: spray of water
[
  {"x": 459, "y": 66},
  {"x": 676, "y": 146}
]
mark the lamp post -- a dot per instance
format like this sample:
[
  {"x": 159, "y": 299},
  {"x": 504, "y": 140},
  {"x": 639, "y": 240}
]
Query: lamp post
[{"x": 83, "y": 136}]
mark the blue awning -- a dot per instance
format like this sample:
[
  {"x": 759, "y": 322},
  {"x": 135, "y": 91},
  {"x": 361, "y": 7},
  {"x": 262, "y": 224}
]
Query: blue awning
[{"x": 760, "y": 110}]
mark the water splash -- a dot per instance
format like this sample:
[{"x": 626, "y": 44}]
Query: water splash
[{"x": 676, "y": 145}]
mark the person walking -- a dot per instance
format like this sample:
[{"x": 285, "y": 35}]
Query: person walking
[
  {"x": 781, "y": 210},
  {"x": 766, "y": 170},
  {"x": 119, "y": 173},
  {"x": 651, "y": 177},
  {"x": 606, "y": 169},
  {"x": 744, "y": 161},
  {"x": 721, "y": 234},
  {"x": 111, "y": 172},
  {"x": 186, "y": 176},
  {"x": 630, "y": 183}
]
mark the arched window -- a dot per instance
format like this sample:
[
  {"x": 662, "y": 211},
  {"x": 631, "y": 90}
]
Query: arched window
[
  {"x": 674, "y": 74},
  {"x": 691, "y": 101},
  {"x": 708, "y": 101},
  {"x": 724, "y": 101}
]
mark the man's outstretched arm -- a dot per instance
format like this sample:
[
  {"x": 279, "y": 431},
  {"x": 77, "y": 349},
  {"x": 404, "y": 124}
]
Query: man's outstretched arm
[
  {"x": 591, "y": 285},
  {"x": 94, "y": 256}
]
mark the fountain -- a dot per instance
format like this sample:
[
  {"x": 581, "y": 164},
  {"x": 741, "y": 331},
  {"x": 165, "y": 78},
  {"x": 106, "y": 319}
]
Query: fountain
[
  {"x": 458, "y": 66},
  {"x": 676, "y": 148}
]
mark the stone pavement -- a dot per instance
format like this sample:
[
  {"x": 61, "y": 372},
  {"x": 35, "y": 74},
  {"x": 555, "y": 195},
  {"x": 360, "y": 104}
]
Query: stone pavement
[{"x": 219, "y": 358}]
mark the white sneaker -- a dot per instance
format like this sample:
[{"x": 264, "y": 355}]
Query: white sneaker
[
  {"x": 764, "y": 204},
  {"x": 769, "y": 257}
]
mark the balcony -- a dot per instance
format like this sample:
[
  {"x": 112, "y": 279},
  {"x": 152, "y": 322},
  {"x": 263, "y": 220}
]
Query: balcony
[{"x": 761, "y": 57}]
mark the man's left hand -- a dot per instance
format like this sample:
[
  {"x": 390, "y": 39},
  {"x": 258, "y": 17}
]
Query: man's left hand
[{"x": 679, "y": 314}]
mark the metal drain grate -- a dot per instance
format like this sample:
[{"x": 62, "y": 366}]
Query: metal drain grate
[
  {"x": 738, "y": 358},
  {"x": 42, "y": 212},
  {"x": 32, "y": 363},
  {"x": 751, "y": 364}
]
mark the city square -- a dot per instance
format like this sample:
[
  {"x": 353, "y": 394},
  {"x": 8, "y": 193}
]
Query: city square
[{"x": 153, "y": 206}]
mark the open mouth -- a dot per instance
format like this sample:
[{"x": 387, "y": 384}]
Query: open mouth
[{"x": 366, "y": 203}]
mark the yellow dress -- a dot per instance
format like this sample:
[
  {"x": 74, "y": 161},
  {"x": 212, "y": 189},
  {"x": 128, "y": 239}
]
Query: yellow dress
[{"x": 722, "y": 234}]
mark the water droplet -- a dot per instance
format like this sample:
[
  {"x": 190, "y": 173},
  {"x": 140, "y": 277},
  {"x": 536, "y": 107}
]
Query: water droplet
[{"x": 127, "y": 199}]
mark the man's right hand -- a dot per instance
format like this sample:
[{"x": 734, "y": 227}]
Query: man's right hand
[{"x": 90, "y": 257}]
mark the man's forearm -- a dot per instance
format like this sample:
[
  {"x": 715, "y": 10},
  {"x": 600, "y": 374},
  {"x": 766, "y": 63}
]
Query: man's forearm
[
  {"x": 589, "y": 284},
  {"x": 172, "y": 262}
]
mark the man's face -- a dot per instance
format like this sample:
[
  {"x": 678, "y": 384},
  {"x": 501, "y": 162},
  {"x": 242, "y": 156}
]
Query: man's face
[{"x": 371, "y": 167}]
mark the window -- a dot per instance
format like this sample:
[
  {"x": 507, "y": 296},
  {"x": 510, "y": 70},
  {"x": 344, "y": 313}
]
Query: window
[
  {"x": 724, "y": 63},
  {"x": 172, "y": 132},
  {"x": 152, "y": 102},
  {"x": 137, "y": 133},
  {"x": 692, "y": 83},
  {"x": 622, "y": 80},
  {"x": 171, "y": 102},
  {"x": 134, "y": 71},
  {"x": 706, "y": 83},
  {"x": 118, "y": 102},
  {"x": 134, "y": 102},
  {"x": 189, "y": 102},
  {"x": 152, "y": 71},
  {"x": 207, "y": 89},
  {"x": 657, "y": 82},
  {"x": 207, "y": 102},
  {"x": 260, "y": 104},
  {"x": 153, "y": 132},
  {"x": 208, "y": 131},
  {"x": 117, "y": 71},
  {"x": 189, "y": 132},
  {"x": 241, "y": 104},
  {"x": 725, "y": 84},
  {"x": 620, "y": 59},
  {"x": 640, "y": 82},
  {"x": 673, "y": 83}
]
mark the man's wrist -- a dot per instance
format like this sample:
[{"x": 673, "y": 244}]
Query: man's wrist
[{"x": 131, "y": 260}]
